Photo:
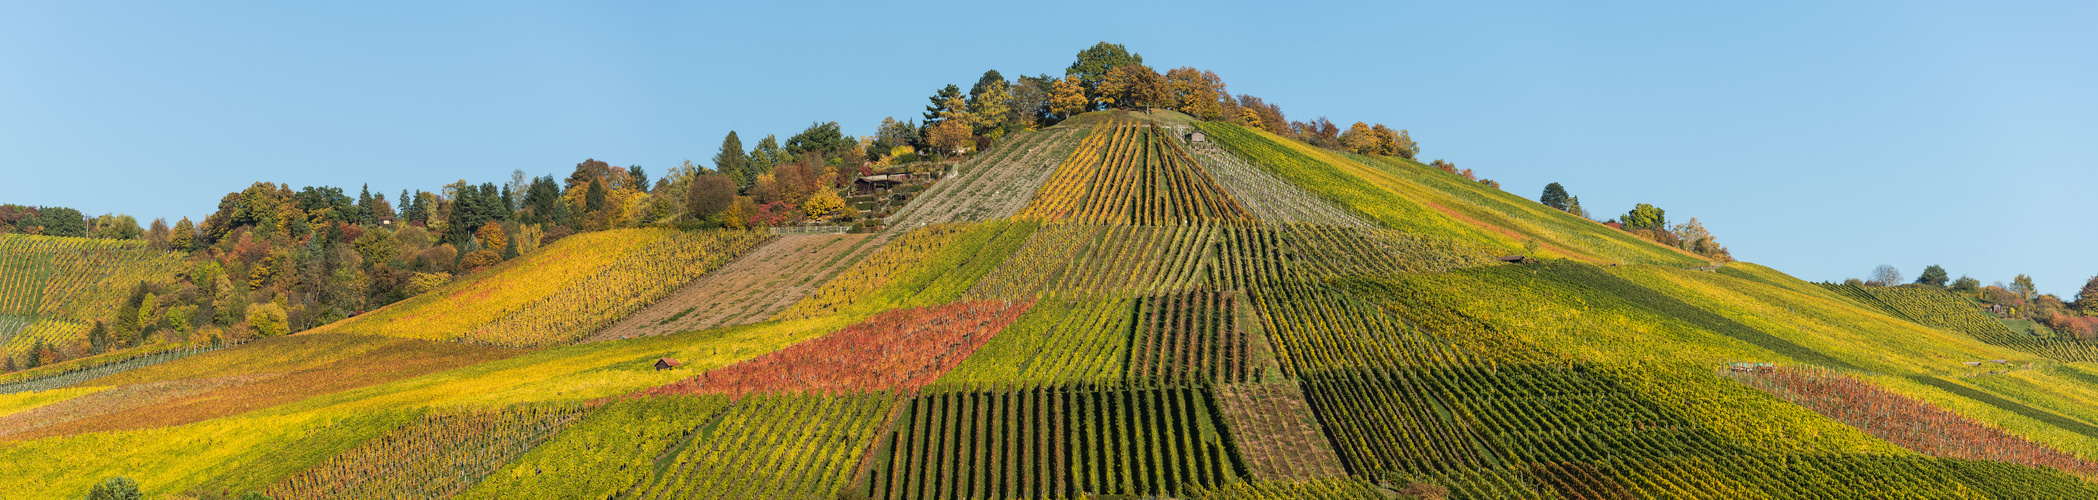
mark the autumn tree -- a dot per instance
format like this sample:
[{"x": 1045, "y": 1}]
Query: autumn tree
[
  {"x": 709, "y": 195},
  {"x": 954, "y": 132},
  {"x": 1359, "y": 139},
  {"x": 824, "y": 204},
  {"x": 2022, "y": 285},
  {"x": 1193, "y": 91},
  {"x": 1068, "y": 98},
  {"x": 491, "y": 236},
  {"x": 1692, "y": 236},
  {"x": 268, "y": 319},
  {"x": 1094, "y": 63},
  {"x": 1644, "y": 216},
  {"x": 991, "y": 103}
]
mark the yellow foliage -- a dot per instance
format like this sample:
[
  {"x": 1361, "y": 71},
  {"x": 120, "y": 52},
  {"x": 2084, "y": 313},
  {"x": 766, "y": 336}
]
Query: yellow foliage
[{"x": 825, "y": 204}]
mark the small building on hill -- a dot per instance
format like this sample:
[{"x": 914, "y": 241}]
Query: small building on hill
[
  {"x": 866, "y": 185},
  {"x": 667, "y": 363},
  {"x": 1518, "y": 259}
]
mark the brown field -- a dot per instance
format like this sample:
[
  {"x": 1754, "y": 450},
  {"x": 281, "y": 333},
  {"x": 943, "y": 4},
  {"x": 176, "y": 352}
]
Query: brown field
[
  {"x": 749, "y": 289},
  {"x": 1277, "y": 432}
]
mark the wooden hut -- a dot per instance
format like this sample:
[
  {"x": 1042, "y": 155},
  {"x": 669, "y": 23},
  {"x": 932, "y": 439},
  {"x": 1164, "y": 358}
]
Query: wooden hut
[{"x": 667, "y": 363}]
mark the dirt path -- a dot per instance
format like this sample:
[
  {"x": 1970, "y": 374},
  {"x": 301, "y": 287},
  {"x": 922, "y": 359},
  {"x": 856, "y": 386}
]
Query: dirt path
[{"x": 749, "y": 289}]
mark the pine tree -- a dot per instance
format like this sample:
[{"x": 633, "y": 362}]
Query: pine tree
[
  {"x": 2087, "y": 298},
  {"x": 732, "y": 162},
  {"x": 1554, "y": 196}
]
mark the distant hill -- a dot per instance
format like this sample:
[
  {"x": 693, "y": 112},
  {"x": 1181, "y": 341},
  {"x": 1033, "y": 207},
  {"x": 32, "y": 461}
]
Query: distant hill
[{"x": 1105, "y": 306}]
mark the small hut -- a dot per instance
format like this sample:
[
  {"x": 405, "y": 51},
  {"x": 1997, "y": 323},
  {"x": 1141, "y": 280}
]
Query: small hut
[
  {"x": 667, "y": 363},
  {"x": 1517, "y": 259},
  {"x": 1197, "y": 138},
  {"x": 866, "y": 185}
]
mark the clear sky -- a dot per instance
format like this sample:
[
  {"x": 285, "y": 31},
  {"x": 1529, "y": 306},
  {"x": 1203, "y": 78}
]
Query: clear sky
[{"x": 1820, "y": 138}]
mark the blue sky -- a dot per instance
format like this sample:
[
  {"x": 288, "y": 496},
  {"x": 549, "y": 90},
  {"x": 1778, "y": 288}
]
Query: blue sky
[{"x": 1820, "y": 138}]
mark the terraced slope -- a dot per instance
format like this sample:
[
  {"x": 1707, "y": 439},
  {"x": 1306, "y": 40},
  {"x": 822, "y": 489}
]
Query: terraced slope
[
  {"x": 753, "y": 287},
  {"x": 994, "y": 185},
  {"x": 560, "y": 293}
]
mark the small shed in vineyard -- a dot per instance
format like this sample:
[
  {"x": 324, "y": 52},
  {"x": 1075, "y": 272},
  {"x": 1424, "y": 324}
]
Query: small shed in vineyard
[{"x": 667, "y": 363}]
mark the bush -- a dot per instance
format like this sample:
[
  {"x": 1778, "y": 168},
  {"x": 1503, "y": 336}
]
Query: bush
[
  {"x": 115, "y": 488},
  {"x": 478, "y": 260},
  {"x": 268, "y": 319}
]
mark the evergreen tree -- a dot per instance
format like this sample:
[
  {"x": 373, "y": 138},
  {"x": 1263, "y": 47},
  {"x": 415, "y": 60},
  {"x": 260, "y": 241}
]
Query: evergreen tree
[
  {"x": 2087, "y": 298},
  {"x": 594, "y": 199},
  {"x": 364, "y": 206},
  {"x": 1554, "y": 196},
  {"x": 938, "y": 106},
  {"x": 640, "y": 177},
  {"x": 731, "y": 161},
  {"x": 766, "y": 157},
  {"x": 98, "y": 337},
  {"x": 989, "y": 79}
]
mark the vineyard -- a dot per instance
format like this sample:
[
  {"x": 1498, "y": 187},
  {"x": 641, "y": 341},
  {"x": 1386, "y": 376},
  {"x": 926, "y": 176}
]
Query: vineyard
[
  {"x": 1096, "y": 309},
  {"x": 1058, "y": 342},
  {"x": 1052, "y": 443},
  {"x": 1270, "y": 199},
  {"x": 995, "y": 184},
  {"x": 560, "y": 293},
  {"x": 75, "y": 278},
  {"x": 902, "y": 349},
  {"x": 1938, "y": 308},
  {"x": 1913, "y": 424},
  {"x": 1277, "y": 434},
  {"x": 606, "y": 453},
  {"x": 52, "y": 288},
  {"x": 767, "y": 446},
  {"x": 438, "y": 455},
  {"x": 1123, "y": 173},
  {"x": 749, "y": 289}
]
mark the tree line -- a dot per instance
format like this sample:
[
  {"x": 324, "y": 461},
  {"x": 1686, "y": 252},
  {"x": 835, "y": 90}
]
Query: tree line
[{"x": 2020, "y": 300}]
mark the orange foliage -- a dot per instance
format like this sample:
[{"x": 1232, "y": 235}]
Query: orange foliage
[{"x": 900, "y": 349}]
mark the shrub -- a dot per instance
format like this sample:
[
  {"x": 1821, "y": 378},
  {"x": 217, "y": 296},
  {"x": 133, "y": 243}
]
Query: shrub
[
  {"x": 115, "y": 488},
  {"x": 268, "y": 319}
]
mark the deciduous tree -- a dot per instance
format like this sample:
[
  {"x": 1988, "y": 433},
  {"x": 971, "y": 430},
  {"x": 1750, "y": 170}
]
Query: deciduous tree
[
  {"x": 1069, "y": 98},
  {"x": 1885, "y": 275},
  {"x": 2024, "y": 287},
  {"x": 1644, "y": 216},
  {"x": 709, "y": 195},
  {"x": 1095, "y": 62},
  {"x": 1933, "y": 276}
]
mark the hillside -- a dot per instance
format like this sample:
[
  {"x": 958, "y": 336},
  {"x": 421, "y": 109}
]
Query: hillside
[{"x": 1099, "y": 307}]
